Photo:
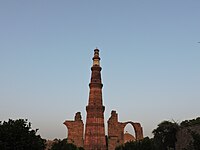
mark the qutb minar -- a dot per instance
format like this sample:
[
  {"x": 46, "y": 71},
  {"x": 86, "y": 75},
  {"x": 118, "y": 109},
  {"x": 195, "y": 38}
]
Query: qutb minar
[
  {"x": 95, "y": 130},
  {"x": 95, "y": 137}
]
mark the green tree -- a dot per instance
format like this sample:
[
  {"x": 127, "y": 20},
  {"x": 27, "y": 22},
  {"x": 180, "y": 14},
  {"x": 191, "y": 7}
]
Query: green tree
[
  {"x": 144, "y": 144},
  {"x": 195, "y": 142},
  {"x": 188, "y": 123},
  {"x": 64, "y": 145},
  {"x": 18, "y": 135},
  {"x": 165, "y": 135}
]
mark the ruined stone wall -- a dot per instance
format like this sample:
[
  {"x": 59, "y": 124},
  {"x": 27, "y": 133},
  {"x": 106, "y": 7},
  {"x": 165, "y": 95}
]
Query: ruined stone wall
[
  {"x": 75, "y": 130},
  {"x": 184, "y": 136},
  {"x": 116, "y": 131},
  {"x": 138, "y": 130}
]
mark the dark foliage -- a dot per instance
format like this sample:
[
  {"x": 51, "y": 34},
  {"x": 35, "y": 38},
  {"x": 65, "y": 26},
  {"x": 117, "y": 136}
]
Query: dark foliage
[
  {"x": 195, "y": 142},
  {"x": 18, "y": 135},
  {"x": 63, "y": 145},
  {"x": 145, "y": 144},
  {"x": 192, "y": 122},
  {"x": 165, "y": 135}
]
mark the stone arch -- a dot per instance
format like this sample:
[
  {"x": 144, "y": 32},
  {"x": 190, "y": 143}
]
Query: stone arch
[
  {"x": 137, "y": 128},
  {"x": 116, "y": 131},
  {"x": 129, "y": 133}
]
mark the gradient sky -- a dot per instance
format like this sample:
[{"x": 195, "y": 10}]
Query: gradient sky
[{"x": 149, "y": 52}]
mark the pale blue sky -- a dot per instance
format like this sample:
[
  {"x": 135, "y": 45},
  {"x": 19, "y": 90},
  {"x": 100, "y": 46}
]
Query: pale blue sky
[{"x": 149, "y": 51}]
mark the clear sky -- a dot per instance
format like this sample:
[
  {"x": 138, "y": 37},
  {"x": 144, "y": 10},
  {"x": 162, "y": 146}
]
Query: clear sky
[{"x": 149, "y": 52}]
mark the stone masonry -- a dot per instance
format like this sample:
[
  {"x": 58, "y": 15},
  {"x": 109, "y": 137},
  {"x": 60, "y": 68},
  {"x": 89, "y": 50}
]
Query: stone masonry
[
  {"x": 116, "y": 131},
  {"x": 75, "y": 130},
  {"x": 95, "y": 130},
  {"x": 95, "y": 138}
]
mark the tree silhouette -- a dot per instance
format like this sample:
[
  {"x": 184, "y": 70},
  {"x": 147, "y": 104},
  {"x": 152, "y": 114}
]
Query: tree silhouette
[
  {"x": 64, "y": 145},
  {"x": 18, "y": 135},
  {"x": 144, "y": 144},
  {"x": 165, "y": 135}
]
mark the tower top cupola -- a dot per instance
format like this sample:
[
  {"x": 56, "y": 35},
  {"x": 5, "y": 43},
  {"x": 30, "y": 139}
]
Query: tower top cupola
[{"x": 96, "y": 58}]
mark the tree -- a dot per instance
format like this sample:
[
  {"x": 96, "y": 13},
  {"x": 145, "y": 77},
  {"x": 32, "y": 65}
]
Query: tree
[
  {"x": 188, "y": 123},
  {"x": 18, "y": 135},
  {"x": 165, "y": 135},
  {"x": 64, "y": 145},
  {"x": 195, "y": 142},
  {"x": 144, "y": 144}
]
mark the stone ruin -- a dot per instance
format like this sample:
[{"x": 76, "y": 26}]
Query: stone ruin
[
  {"x": 94, "y": 137},
  {"x": 75, "y": 130},
  {"x": 115, "y": 131}
]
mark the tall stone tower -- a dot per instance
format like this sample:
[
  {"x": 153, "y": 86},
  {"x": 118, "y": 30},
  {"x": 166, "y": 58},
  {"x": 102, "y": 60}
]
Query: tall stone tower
[
  {"x": 94, "y": 137},
  {"x": 95, "y": 130}
]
